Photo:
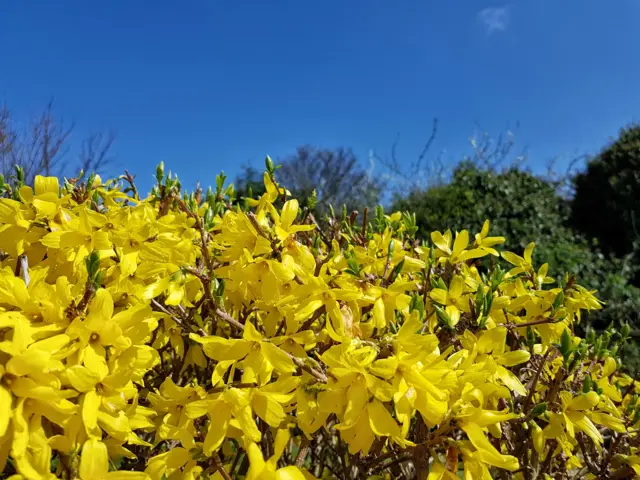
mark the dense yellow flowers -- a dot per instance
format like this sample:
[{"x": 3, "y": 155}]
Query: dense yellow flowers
[{"x": 182, "y": 337}]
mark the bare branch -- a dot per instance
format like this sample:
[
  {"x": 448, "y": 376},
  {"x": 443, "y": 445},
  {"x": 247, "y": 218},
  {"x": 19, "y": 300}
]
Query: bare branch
[
  {"x": 40, "y": 145},
  {"x": 95, "y": 151}
]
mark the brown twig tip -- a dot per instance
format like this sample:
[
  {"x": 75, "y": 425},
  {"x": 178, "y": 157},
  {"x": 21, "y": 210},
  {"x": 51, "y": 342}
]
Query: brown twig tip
[{"x": 220, "y": 467}]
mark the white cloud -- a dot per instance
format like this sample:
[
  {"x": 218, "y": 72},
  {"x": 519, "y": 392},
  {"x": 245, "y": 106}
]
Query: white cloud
[{"x": 495, "y": 19}]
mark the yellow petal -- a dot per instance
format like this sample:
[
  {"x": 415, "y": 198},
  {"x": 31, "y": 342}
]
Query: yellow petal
[
  {"x": 609, "y": 421},
  {"x": 492, "y": 340},
  {"x": 256, "y": 462},
  {"x": 291, "y": 473},
  {"x": 510, "y": 380},
  {"x": 381, "y": 421},
  {"x": 81, "y": 378},
  {"x": 6, "y": 402},
  {"x": 244, "y": 416},
  {"x": 487, "y": 452},
  {"x": 289, "y": 213},
  {"x": 457, "y": 286},
  {"x": 94, "y": 460},
  {"x": 538, "y": 438},
  {"x": 220, "y": 416},
  {"x": 584, "y": 402},
  {"x": 528, "y": 252},
  {"x": 517, "y": 357},
  {"x": 470, "y": 254},
  {"x": 268, "y": 409},
  {"x": 439, "y": 295},
  {"x": 307, "y": 309},
  {"x": 357, "y": 398},
  {"x": 512, "y": 258},
  {"x": 460, "y": 243},
  {"x": 46, "y": 185},
  {"x": 439, "y": 241},
  {"x": 379, "y": 313},
  {"x": 278, "y": 358},
  {"x": 90, "y": 408}
]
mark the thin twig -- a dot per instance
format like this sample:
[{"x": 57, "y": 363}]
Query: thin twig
[
  {"x": 321, "y": 377},
  {"x": 542, "y": 321},
  {"x": 220, "y": 467},
  {"x": 173, "y": 317}
]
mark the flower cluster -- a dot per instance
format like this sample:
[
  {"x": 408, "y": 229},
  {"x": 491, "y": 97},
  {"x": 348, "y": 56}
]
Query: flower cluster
[{"x": 186, "y": 336}]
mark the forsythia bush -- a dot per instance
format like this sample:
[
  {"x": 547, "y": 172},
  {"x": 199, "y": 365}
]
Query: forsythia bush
[{"x": 187, "y": 336}]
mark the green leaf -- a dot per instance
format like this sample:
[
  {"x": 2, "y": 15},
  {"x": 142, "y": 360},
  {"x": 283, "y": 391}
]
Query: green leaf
[{"x": 539, "y": 409}]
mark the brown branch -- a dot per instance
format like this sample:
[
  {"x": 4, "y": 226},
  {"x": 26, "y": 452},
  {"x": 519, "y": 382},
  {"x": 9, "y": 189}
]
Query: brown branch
[
  {"x": 321, "y": 377},
  {"x": 534, "y": 381},
  {"x": 173, "y": 317},
  {"x": 542, "y": 321},
  {"x": 220, "y": 467}
]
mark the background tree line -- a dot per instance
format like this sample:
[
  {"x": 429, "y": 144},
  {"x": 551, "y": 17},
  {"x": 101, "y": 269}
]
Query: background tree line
[
  {"x": 585, "y": 223},
  {"x": 41, "y": 144}
]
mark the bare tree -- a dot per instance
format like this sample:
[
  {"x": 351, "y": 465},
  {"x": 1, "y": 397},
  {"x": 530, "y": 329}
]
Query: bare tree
[
  {"x": 95, "y": 151},
  {"x": 335, "y": 174},
  {"x": 40, "y": 145},
  {"x": 425, "y": 171}
]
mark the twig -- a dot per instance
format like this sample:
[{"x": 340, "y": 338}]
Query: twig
[
  {"x": 364, "y": 224},
  {"x": 232, "y": 385},
  {"x": 173, "y": 317},
  {"x": 22, "y": 267},
  {"x": 317, "y": 314},
  {"x": 220, "y": 467},
  {"x": 534, "y": 381},
  {"x": 542, "y": 321},
  {"x": 321, "y": 377},
  {"x": 303, "y": 452}
]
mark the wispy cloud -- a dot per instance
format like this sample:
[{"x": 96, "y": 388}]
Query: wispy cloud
[{"x": 495, "y": 19}]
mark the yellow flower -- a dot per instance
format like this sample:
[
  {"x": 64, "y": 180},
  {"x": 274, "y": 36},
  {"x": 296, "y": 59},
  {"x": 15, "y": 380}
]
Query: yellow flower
[
  {"x": 458, "y": 253},
  {"x": 454, "y": 299},
  {"x": 94, "y": 464},
  {"x": 259, "y": 357},
  {"x": 259, "y": 469},
  {"x": 484, "y": 242},
  {"x": 522, "y": 264},
  {"x": 573, "y": 416}
]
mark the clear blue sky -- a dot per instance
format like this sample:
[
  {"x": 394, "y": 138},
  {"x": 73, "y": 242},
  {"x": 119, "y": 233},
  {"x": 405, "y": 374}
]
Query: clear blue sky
[{"x": 211, "y": 84}]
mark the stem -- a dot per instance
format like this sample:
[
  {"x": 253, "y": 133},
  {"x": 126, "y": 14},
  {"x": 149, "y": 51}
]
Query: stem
[{"x": 218, "y": 463}]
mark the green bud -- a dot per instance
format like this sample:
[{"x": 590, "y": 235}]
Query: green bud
[
  {"x": 539, "y": 409},
  {"x": 269, "y": 164},
  {"x": 559, "y": 300},
  {"x": 160, "y": 172},
  {"x": 220, "y": 179},
  {"x": 92, "y": 263},
  {"x": 396, "y": 271},
  {"x": 312, "y": 201},
  {"x": 19, "y": 174},
  {"x": 565, "y": 343},
  {"x": 586, "y": 388},
  {"x": 531, "y": 338},
  {"x": 208, "y": 218},
  {"x": 625, "y": 331},
  {"x": 444, "y": 317}
]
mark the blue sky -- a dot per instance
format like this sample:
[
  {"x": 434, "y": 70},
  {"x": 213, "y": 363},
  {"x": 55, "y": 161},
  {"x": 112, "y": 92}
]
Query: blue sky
[{"x": 207, "y": 85}]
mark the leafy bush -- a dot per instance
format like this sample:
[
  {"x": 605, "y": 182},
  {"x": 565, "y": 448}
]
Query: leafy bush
[
  {"x": 605, "y": 205},
  {"x": 180, "y": 337},
  {"x": 525, "y": 207}
]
